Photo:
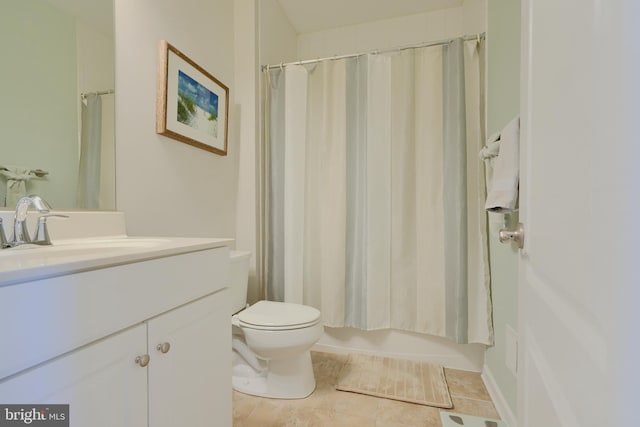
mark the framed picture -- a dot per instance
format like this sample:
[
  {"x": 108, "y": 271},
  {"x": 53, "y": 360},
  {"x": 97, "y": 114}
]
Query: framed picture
[{"x": 192, "y": 105}]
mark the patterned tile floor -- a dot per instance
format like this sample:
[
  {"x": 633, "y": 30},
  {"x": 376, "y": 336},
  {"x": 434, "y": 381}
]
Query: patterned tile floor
[{"x": 327, "y": 407}]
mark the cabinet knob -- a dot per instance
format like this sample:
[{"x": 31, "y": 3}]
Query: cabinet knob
[
  {"x": 164, "y": 347},
  {"x": 143, "y": 360}
]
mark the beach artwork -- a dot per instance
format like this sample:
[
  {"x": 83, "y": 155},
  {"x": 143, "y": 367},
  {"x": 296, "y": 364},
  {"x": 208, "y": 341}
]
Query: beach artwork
[
  {"x": 197, "y": 106},
  {"x": 192, "y": 105}
]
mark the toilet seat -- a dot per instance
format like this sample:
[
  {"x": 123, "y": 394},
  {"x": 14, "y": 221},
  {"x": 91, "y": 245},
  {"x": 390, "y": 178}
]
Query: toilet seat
[{"x": 274, "y": 316}]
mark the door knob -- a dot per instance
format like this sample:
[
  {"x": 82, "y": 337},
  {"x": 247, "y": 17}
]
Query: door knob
[{"x": 516, "y": 235}]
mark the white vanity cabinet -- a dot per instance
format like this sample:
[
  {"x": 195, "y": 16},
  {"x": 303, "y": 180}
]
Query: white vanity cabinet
[{"x": 74, "y": 339}]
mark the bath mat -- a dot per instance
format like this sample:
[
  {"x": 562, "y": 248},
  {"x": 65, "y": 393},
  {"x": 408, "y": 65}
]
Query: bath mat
[
  {"x": 398, "y": 379},
  {"x": 451, "y": 419}
]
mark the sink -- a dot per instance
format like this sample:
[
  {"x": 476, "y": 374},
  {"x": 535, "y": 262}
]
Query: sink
[
  {"x": 76, "y": 249},
  {"x": 117, "y": 242},
  {"x": 31, "y": 262},
  {"x": 80, "y": 245}
]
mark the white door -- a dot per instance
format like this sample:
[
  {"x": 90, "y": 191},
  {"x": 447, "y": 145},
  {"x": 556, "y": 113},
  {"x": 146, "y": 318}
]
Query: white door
[
  {"x": 101, "y": 382},
  {"x": 579, "y": 283},
  {"x": 190, "y": 377}
]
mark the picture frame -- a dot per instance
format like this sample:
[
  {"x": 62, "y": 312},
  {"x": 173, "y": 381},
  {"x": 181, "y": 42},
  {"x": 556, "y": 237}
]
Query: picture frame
[{"x": 192, "y": 105}]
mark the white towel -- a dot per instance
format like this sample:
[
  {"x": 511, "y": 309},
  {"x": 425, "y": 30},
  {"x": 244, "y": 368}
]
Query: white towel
[
  {"x": 503, "y": 194},
  {"x": 492, "y": 148},
  {"x": 17, "y": 177}
]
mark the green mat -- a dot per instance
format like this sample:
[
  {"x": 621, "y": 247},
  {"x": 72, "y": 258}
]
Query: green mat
[{"x": 452, "y": 419}]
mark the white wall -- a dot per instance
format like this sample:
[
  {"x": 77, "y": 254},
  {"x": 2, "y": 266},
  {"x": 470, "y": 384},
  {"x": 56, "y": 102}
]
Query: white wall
[
  {"x": 247, "y": 99},
  {"x": 402, "y": 31},
  {"x": 278, "y": 38},
  {"x": 166, "y": 187}
]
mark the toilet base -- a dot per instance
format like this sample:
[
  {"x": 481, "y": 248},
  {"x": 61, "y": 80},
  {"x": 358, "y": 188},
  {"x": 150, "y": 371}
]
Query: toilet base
[{"x": 290, "y": 378}]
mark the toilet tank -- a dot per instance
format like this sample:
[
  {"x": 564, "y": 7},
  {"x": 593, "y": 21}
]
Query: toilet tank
[{"x": 239, "y": 274}]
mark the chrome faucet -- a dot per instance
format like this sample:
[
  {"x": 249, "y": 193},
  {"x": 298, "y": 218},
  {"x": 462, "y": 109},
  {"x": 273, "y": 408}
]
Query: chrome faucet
[
  {"x": 41, "y": 236},
  {"x": 3, "y": 237},
  {"x": 20, "y": 233}
]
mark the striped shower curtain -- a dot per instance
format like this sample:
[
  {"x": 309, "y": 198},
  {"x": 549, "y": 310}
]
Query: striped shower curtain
[
  {"x": 372, "y": 191},
  {"x": 88, "y": 192}
]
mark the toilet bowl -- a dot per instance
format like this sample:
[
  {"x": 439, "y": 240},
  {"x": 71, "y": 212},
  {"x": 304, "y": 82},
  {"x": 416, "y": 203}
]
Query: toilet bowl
[{"x": 271, "y": 341}]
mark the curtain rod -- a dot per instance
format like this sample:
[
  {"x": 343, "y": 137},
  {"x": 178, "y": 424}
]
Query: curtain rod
[
  {"x": 100, "y": 92},
  {"x": 378, "y": 51}
]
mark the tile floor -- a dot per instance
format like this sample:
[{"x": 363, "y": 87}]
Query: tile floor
[{"x": 327, "y": 407}]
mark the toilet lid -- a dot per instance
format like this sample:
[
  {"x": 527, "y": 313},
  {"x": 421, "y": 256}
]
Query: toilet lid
[{"x": 278, "y": 315}]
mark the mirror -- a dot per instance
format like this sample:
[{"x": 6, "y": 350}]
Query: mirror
[{"x": 57, "y": 103}]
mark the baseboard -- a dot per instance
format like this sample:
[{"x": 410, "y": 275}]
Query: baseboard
[
  {"x": 325, "y": 348},
  {"x": 499, "y": 401}
]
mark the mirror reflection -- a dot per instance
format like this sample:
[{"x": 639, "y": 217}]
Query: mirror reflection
[{"x": 57, "y": 103}]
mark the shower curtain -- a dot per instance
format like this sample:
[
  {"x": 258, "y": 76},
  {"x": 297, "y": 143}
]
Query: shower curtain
[
  {"x": 372, "y": 191},
  {"x": 88, "y": 193}
]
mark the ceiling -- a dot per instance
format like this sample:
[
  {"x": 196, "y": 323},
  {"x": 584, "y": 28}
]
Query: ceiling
[{"x": 314, "y": 15}]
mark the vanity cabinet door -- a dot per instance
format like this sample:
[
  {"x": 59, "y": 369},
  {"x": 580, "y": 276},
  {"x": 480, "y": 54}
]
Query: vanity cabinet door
[
  {"x": 190, "y": 369},
  {"x": 101, "y": 382}
]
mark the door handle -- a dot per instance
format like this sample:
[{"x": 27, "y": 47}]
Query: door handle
[{"x": 516, "y": 235}]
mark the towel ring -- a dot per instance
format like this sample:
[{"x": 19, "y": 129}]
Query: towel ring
[{"x": 39, "y": 173}]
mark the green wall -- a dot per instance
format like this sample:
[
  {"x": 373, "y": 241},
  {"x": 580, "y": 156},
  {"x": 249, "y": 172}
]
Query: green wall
[{"x": 503, "y": 99}]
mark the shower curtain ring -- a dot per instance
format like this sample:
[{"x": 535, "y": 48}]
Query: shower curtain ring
[{"x": 281, "y": 66}]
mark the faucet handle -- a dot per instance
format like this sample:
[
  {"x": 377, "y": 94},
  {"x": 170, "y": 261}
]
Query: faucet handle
[
  {"x": 3, "y": 237},
  {"x": 41, "y": 236}
]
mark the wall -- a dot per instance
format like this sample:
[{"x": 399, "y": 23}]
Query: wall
[
  {"x": 246, "y": 75},
  {"x": 166, "y": 187},
  {"x": 38, "y": 113},
  {"x": 254, "y": 21},
  {"x": 503, "y": 98},
  {"x": 407, "y": 30},
  {"x": 278, "y": 38}
]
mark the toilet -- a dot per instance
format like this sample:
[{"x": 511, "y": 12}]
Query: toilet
[{"x": 271, "y": 341}]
